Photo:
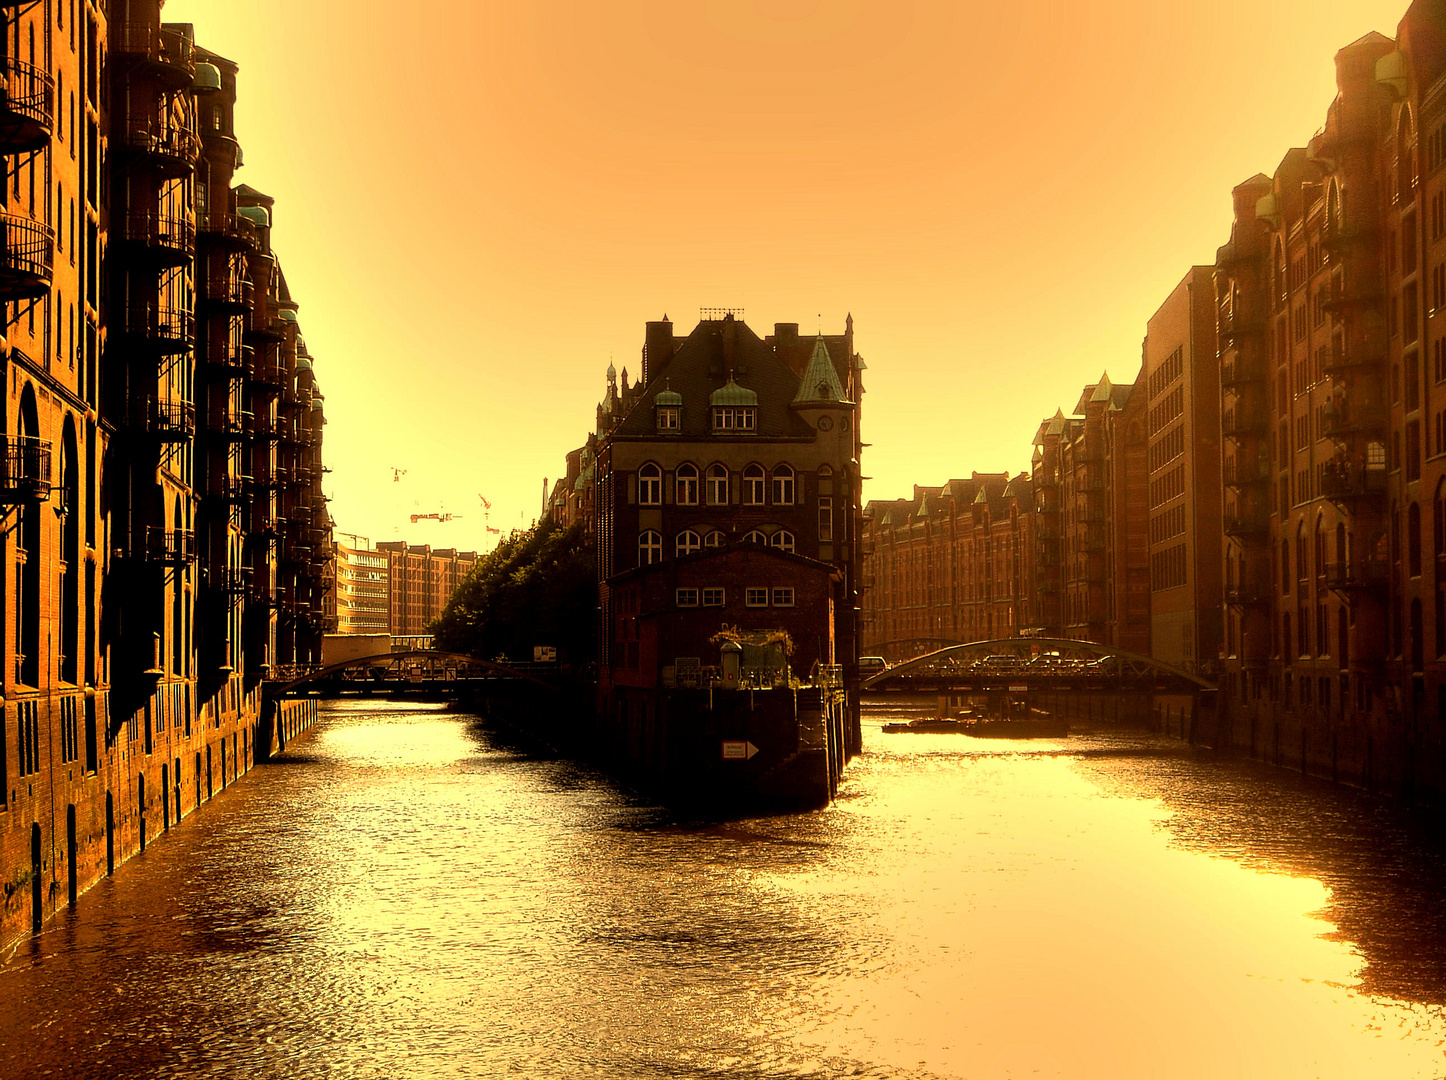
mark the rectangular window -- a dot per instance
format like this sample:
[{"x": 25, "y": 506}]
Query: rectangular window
[
  {"x": 825, "y": 519},
  {"x": 712, "y": 597},
  {"x": 755, "y": 597},
  {"x": 686, "y": 597},
  {"x": 783, "y": 597}
]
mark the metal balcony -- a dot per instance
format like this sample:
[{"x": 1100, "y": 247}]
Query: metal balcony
[
  {"x": 1343, "y": 357},
  {"x": 1236, "y": 327},
  {"x": 1367, "y": 574},
  {"x": 268, "y": 371},
  {"x": 27, "y": 470},
  {"x": 229, "y": 357},
  {"x": 163, "y": 240},
  {"x": 227, "y": 292},
  {"x": 1246, "y": 522},
  {"x": 165, "y": 419},
  {"x": 1352, "y": 418},
  {"x": 168, "y": 150},
  {"x": 234, "y": 582},
  {"x": 27, "y": 258},
  {"x": 165, "y": 329},
  {"x": 167, "y": 54},
  {"x": 230, "y": 489},
  {"x": 264, "y": 326},
  {"x": 1342, "y": 481},
  {"x": 1242, "y": 419},
  {"x": 228, "y": 230},
  {"x": 1247, "y": 595},
  {"x": 1342, "y": 295},
  {"x": 170, "y": 547},
  {"x": 1238, "y": 370},
  {"x": 27, "y": 107},
  {"x": 228, "y": 424},
  {"x": 1340, "y": 238},
  {"x": 264, "y": 428},
  {"x": 1243, "y": 473}
]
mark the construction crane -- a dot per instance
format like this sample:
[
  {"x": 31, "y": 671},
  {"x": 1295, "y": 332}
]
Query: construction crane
[
  {"x": 487, "y": 515},
  {"x": 433, "y": 517}
]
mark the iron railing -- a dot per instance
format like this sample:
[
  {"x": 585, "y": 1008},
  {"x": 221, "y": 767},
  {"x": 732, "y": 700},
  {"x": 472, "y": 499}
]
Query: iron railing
[{"x": 27, "y": 469}]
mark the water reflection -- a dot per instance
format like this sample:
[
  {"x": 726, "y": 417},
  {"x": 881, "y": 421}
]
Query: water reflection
[{"x": 411, "y": 896}]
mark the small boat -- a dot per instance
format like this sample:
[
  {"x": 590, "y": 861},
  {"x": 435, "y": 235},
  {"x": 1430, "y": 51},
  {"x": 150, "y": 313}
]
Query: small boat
[
  {"x": 928, "y": 726},
  {"x": 1019, "y": 729}
]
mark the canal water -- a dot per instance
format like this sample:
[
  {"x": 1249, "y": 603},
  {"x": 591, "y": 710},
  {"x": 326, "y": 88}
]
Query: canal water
[{"x": 408, "y": 895}]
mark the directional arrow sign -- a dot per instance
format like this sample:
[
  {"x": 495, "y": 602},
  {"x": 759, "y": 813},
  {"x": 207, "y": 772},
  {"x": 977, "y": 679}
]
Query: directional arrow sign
[{"x": 738, "y": 750}]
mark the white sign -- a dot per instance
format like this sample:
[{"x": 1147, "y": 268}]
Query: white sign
[
  {"x": 738, "y": 750},
  {"x": 544, "y": 654},
  {"x": 1018, "y": 688}
]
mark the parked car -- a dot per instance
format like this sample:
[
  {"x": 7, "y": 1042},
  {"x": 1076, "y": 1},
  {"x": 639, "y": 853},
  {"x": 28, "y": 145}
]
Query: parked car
[{"x": 870, "y": 666}]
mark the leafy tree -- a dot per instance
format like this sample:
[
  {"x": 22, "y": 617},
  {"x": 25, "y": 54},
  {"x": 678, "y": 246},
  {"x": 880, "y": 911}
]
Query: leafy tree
[{"x": 538, "y": 587}]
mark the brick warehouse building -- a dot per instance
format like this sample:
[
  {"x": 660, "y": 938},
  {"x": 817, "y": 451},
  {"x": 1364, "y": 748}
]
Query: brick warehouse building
[
  {"x": 420, "y": 580},
  {"x": 1181, "y": 392},
  {"x": 1332, "y": 317},
  {"x": 161, "y": 424},
  {"x": 730, "y": 438}
]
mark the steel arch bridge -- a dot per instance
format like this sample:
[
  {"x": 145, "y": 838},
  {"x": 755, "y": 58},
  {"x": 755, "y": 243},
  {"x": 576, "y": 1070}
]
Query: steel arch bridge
[
  {"x": 426, "y": 670},
  {"x": 908, "y": 648},
  {"x": 1022, "y": 664}
]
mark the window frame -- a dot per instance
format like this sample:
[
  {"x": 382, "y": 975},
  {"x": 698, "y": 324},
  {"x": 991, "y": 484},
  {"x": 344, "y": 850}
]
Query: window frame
[
  {"x": 715, "y": 483},
  {"x": 714, "y": 596},
  {"x": 784, "y": 485},
  {"x": 755, "y": 596},
  {"x": 755, "y": 485},
  {"x": 682, "y": 545},
  {"x": 685, "y": 484},
  {"x": 685, "y": 597},
  {"x": 782, "y": 596},
  {"x": 783, "y": 540},
  {"x": 650, "y": 484},
  {"x": 650, "y": 543}
]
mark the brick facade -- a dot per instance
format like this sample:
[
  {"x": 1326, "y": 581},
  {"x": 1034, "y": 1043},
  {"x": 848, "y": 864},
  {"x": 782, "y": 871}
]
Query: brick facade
[{"x": 155, "y": 385}]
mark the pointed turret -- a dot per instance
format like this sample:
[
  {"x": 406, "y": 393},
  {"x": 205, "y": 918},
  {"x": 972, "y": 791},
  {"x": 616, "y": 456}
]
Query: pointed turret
[{"x": 820, "y": 382}]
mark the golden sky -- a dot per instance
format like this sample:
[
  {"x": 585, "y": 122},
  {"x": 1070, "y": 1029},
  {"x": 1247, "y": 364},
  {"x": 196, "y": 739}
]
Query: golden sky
[{"x": 480, "y": 203}]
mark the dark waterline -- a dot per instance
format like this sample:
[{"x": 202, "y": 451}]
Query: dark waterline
[{"x": 405, "y": 895}]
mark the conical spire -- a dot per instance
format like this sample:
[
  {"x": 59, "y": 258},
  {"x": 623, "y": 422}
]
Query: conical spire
[{"x": 820, "y": 382}]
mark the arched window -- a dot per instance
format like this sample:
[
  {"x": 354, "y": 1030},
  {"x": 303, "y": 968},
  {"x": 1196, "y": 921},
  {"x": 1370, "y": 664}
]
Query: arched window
[
  {"x": 1438, "y": 522},
  {"x": 1343, "y": 641},
  {"x": 1320, "y": 549},
  {"x": 782, "y": 540},
  {"x": 1405, "y": 167},
  {"x": 687, "y": 542},
  {"x": 1285, "y": 566},
  {"x": 1282, "y": 286},
  {"x": 1302, "y": 560},
  {"x": 69, "y": 553},
  {"x": 715, "y": 539},
  {"x": 1417, "y": 645},
  {"x": 28, "y": 550},
  {"x": 1413, "y": 539},
  {"x": 716, "y": 485},
  {"x": 755, "y": 536},
  {"x": 650, "y": 548},
  {"x": 685, "y": 484},
  {"x": 650, "y": 485},
  {"x": 783, "y": 486},
  {"x": 754, "y": 486}
]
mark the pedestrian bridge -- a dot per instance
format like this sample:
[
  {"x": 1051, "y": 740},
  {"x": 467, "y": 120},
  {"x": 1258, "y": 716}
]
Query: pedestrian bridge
[
  {"x": 1020, "y": 665},
  {"x": 409, "y": 672}
]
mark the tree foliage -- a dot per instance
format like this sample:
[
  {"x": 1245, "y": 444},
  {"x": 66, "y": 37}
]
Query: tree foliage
[{"x": 538, "y": 587}]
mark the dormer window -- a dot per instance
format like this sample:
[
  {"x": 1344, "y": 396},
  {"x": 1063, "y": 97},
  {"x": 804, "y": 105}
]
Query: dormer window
[
  {"x": 734, "y": 409},
  {"x": 729, "y": 418},
  {"x": 668, "y": 412}
]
